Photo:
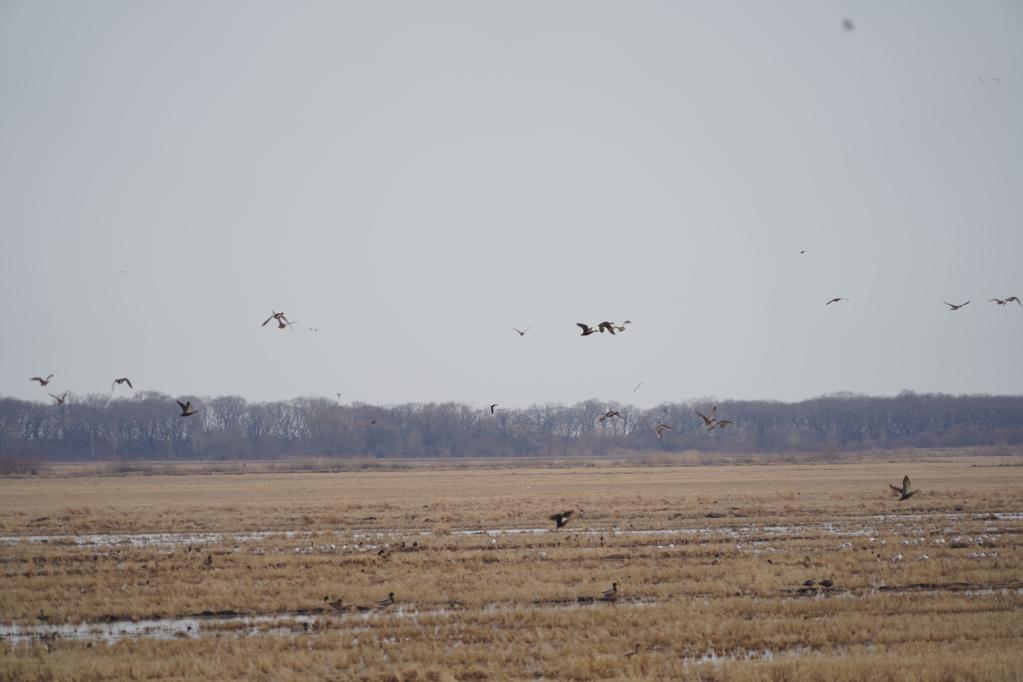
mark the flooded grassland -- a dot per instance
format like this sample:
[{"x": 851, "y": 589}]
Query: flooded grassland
[{"x": 278, "y": 576}]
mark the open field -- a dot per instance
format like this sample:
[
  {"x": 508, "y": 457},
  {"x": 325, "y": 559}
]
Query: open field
[{"x": 276, "y": 575}]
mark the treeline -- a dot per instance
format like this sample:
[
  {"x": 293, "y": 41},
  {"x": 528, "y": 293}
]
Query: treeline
[{"x": 147, "y": 426}]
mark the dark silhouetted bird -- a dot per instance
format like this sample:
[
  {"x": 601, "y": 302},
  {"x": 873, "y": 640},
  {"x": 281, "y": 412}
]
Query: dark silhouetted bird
[
  {"x": 522, "y": 332},
  {"x": 904, "y": 492},
  {"x": 186, "y": 408},
  {"x": 59, "y": 398},
  {"x": 492, "y": 407},
  {"x": 720, "y": 423},
  {"x": 384, "y": 603},
  {"x": 42, "y": 381},
  {"x": 848, "y": 25},
  {"x": 661, "y": 428},
  {"x": 587, "y": 329},
  {"x": 836, "y": 300},
  {"x": 827, "y": 582},
  {"x": 122, "y": 380},
  {"x": 280, "y": 317},
  {"x": 561, "y": 519},
  {"x": 610, "y": 594},
  {"x": 1015, "y": 299},
  {"x": 953, "y": 306},
  {"x": 610, "y": 414}
]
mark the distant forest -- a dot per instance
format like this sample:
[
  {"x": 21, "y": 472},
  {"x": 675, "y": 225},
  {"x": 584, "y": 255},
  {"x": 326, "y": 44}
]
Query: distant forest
[{"x": 148, "y": 426}]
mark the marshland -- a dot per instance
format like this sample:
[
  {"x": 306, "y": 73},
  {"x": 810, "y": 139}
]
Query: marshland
[{"x": 719, "y": 568}]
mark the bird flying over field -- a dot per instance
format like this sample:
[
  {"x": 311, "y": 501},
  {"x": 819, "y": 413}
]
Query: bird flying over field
[
  {"x": 561, "y": 519},
  {"x": 953, "y": 306},
  {"x": 708, "y": 421},
  {"x": 60, "y": 399},
  {"x": 661, "y": 428},
  {"x": 522, "y": 332},
  {"x": 587, "y": 329},
  {"x": 610, "y": 414},
  {"x": 720, "y": 423},
  {"x": 42, "y": 381},
  {"x": 122, "y": 380},
  {"x": 186, "y": 408},
  {"x": 904, "y": 492},
  {"x": 492, "y": 407},
  {"x": 610, "y": 594},
  {"x": 836, "y": 300}
]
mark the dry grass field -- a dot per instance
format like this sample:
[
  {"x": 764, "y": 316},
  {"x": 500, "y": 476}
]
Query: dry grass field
[{"x": 275, "y": 576}]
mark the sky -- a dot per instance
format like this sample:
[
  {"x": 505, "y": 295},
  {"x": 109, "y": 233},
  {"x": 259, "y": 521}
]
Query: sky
[{"x": 414, "y": 179}]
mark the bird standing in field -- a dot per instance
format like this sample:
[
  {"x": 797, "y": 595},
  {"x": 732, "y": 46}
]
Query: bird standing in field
[
  {"x": 661, "y": 428},
  {"x": 561, "y": 519},
  {"x": 904, "y": 492},
  {"x": 827, "y": 583},
  {"x": 836, "y": 300},
  {"x": 384, "y": 603},
  {"x": 522, "y": 332},
  {"x": 122, "y": 380},
  {"x": 186, "y": 408},
  {"x": 587, "y": 329},
  {"x": 60, "y": 399},
  {"x": 42, "y": 381},
  {"x": 610, "y": 594},
  {"x": 953, "y": 306}
]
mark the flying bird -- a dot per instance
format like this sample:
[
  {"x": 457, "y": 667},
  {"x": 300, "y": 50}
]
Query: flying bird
[
  {"x": 59, "y": 398},
  {"x": 708, "y": 421},
  {"x": 186, "y": 408},
  {"x": 803, "y": 251},
  {"x": 587, "y": 329},
  {"x": 42, "y": 381},
  {"x": 637, "y": 387},
  {"x": 522, "y": 332},
  {"x": 610, "y": 414},
  {"x": 1014, "y": 299},
  {"x": 610, "y": 594},
  {"x": 953, "y": 306},
  {"x": 904, "y": 492},
  {"x": 621, "y": 327},
  {"x": 122, "y": 380},
  {"x": 384, "y": 603},
  {"x": 607, "y": 326},
  {"x": 848, "y": 25},
  {"x": 561, "y": 519},
  {"x": 661, "y": 428},
  {"x": 999, "y": 301},
  {"x": 274, "y": 316},
  {"x": 836, "y": 300},
  {"x": 492, "y": 407},
  {"x": 721, "y": 423}
]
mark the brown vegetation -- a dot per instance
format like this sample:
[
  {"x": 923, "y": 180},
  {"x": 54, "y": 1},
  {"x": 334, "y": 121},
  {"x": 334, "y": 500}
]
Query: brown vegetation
[{"x": 710, "y": 563}]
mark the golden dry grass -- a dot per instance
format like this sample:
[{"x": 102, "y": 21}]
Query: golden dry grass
[{"x": 721, "y": 573}]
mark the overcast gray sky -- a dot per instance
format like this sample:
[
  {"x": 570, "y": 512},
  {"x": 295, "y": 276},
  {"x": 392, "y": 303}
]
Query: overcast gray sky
[{"x": 414, "y": 179}]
